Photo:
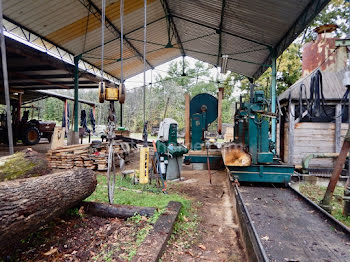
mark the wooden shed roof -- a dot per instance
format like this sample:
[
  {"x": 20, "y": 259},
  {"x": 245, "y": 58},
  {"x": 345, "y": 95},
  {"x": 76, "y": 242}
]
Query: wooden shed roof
[{"x": 333, "y": 88}]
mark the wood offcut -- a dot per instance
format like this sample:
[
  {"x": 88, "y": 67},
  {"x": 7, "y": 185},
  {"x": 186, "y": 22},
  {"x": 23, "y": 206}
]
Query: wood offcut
[{"x": 153, "y": 246}]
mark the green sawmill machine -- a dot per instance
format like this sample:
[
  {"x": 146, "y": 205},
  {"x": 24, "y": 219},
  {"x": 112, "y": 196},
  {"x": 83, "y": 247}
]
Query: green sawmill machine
[
  {"x": 170, "y": 152},
  {"x": 251, "y": 133},
  {"x": 204, "y": 109}
]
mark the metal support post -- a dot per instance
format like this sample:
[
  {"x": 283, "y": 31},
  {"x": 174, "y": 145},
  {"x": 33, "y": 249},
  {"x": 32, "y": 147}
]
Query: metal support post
[
  {"x": 76, "y": 93},
  {"x": 6, "y": 83},
  {"x": 273, "y": 96}
]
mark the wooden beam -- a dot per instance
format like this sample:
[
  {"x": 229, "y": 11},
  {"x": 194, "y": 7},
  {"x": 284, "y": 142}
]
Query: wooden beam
[
  {"x": 337, "y": 132},
  {"x": 152, "y": 248},
  {"x": 187, "y": 121},
  {"x": 291, "y": 111}
]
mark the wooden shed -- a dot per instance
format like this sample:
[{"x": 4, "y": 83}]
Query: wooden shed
[{"x": 309, "y": 134}]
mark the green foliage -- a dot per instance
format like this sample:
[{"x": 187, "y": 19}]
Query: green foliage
[{"x": 336, "y": 12}]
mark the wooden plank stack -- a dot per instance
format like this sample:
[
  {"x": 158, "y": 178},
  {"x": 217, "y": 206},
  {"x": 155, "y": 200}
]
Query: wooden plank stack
[{"x": 84, "y": 155}]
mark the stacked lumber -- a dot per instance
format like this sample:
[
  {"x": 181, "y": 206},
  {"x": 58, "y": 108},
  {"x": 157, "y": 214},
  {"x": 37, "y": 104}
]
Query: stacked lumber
[{"x": 85, "y": 155}]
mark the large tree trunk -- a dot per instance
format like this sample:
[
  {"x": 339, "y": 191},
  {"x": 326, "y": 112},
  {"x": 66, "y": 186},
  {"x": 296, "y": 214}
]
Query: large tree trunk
[
  {"x": 119, "y": 211},
  {"x": 27, "y": 204},
  {"x": 24, "y": 164}
]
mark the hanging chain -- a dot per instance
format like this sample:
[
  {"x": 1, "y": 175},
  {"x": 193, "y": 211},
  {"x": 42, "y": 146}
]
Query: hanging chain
[{"x": 111, "y": 174}]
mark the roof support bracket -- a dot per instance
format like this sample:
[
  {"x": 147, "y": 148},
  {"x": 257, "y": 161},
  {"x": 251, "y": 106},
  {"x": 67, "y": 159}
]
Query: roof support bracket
[
  {"x": 219, "y": 31},
  {"x": 112, "y": 27},
  {"x": 171, "y": 21}
]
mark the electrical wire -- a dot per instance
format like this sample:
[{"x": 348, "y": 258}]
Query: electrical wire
[
  {"x": 121, "y": 40},
  {"x": 103, "y": 21},
  {"x": 144, "y": 60}
]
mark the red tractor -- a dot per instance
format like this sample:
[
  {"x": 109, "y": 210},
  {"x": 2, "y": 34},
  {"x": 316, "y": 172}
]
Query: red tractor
[{"x": 28, "y": 131}]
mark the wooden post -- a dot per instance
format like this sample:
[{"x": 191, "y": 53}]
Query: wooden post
[
  {"x": 187, "y": 121},
  {"x": 291, "y": 133},
  {"x": 220, "y": 97},
  {"x": 337, "y": 133}
]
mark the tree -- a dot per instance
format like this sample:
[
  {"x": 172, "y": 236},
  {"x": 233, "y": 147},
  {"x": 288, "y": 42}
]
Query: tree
[{"x": 335, "y": 12}]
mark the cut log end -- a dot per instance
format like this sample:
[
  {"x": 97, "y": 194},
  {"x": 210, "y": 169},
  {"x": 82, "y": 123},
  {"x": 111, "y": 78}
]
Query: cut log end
[{"x": 235, "y": 155}]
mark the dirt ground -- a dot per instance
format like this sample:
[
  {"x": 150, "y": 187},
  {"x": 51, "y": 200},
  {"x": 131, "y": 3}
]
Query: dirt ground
[
  {"x": 42, "y": 147},
  {"x": 217, "y": 238},
  {"x": 214, "y": 237},
  {"x": 72, "y": 238}
]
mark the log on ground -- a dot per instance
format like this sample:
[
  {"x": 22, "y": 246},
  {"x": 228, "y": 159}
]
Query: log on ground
[
  {"x": 27, "y": 204},
  {"x": 24, "y": 164},
  {"x": 234, "y": 154},
  {"x": 119, "y": 211}
]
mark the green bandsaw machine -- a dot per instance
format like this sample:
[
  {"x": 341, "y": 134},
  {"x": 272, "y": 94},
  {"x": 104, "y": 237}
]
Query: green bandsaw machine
[
  {"x": 251, "y": 131},
  {"x": 204, "y": 110}
]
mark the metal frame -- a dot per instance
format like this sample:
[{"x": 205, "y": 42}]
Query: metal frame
[
  {"x": 223, "y": 31},
  {"x": 171, "y": 21},
  {"x": 114, "y": 39},
  {"x": 294, "y": 30},
  {"x": 55, "y": 50},
  {"x": 220, "y": 31},
  {"x": 250, "y": 235},
  {"x": 111, "y": 26}
]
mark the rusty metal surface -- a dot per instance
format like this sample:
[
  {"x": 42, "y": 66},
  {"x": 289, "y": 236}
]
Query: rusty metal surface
[
  {"x": 292, "y": 230},
  {"x": 321, "y": 54}
]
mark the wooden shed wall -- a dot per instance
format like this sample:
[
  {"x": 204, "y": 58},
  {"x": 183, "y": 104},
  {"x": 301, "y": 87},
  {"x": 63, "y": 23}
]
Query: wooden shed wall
[{"x": 312, "y": 138}]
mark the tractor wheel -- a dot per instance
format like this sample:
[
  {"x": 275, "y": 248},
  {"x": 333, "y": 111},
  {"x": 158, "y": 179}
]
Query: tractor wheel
[{"x": 31, "y": 136}]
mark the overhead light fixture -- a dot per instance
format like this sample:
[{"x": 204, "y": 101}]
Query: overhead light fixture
[
  {"x": 169, "y": 45},
  {"x": 224, "y": 59},
  {"x": 183, "y": 66}
]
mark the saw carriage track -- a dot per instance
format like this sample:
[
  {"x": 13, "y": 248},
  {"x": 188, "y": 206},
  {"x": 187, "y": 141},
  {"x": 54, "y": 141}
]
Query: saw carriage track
[{"x": 281, "y": 224}]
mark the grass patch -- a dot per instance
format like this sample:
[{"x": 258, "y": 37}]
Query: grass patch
[
  {"x": 316, "y": 193},
  {"x": 185, "y": 228},
  {"x": 150, "y": 197}
]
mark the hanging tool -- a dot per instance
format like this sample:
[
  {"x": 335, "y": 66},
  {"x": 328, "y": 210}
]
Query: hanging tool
[{"x": 111, "y": 94}]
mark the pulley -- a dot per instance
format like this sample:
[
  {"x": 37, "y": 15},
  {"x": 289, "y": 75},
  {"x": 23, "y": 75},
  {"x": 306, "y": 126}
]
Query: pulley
[{"x": 111, "y": 93}]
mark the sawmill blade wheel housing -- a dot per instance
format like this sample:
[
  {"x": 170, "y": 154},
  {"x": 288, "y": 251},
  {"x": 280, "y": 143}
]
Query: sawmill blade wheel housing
[{"x": 201, "y": 101}]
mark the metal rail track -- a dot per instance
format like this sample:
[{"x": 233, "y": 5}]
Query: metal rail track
[{"x": 281, "y": 224}]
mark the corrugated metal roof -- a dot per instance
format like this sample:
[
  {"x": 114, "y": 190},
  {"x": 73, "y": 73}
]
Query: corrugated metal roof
[
  {"x": 250, "y": 29},
  {"x": 333, "y": 88}
]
